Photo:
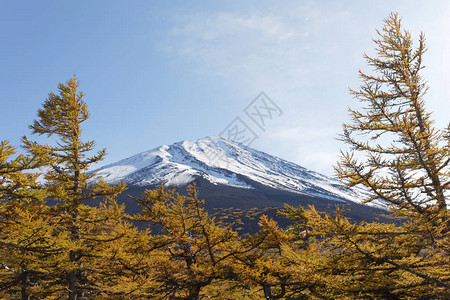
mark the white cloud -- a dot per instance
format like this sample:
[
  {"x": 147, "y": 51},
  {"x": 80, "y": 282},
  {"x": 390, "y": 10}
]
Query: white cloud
[
  {"x": 303, "y": 55},
  {"x": 283, "y": 55},
  {"x": 252, "y": 49}
]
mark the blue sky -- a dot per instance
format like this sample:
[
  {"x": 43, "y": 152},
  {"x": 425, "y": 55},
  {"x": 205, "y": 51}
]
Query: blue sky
[{"x": 159, "y": 72}]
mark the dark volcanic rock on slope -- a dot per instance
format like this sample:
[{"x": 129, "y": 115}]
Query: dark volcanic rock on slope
[{"x": 231, "y": 176}]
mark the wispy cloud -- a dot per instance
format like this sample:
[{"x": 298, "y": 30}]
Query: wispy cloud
[
  {"x": 303, "y": 55},
  {"x": 236, "y": 46}
]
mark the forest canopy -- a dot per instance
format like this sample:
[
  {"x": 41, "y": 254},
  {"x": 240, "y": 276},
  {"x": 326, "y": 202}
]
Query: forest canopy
[{"x": 54, "y": 245}]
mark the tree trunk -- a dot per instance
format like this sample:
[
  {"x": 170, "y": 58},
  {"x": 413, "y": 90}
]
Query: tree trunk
[
  {"x": 24, "y": 283},
  {"x": 267, "y": 291},
  {"x": 73, "y": 286},
  {"x": 73, "y": 279}
]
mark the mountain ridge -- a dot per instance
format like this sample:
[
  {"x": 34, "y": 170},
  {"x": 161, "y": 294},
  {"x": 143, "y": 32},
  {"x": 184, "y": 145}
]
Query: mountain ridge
[{"x": 224, "y": 162}]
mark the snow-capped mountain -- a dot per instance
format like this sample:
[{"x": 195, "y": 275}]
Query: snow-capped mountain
[{"x": 225, "y": 163}]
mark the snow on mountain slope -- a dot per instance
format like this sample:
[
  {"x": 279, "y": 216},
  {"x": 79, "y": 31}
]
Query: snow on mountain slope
[{"x": 221, "y": 161}]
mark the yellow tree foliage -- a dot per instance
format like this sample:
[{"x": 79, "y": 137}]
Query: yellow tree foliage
[
  {"x": 397, "y": 154},
  {"x": 405, "y": 159},
  {"x": 187, "y": 252},
  {"x": 71, "y": 249},
  {"x": 78, "y": 228},
  {"x": 375, "y": 260},
  {"x": 24, "y": 224}
]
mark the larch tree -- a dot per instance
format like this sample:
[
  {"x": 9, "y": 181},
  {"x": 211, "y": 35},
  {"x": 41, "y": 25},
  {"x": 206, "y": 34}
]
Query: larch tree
[
  {"x": 190, "y": 256},
  {"x": 402, "y": 159},
  {"x": 406, "y": 158},
  {"x": 24, "y": 226},
  {"x": 185, "y": 254},
  {"x": 265, "y": 261},
  {"x": 70, "y": 186}
]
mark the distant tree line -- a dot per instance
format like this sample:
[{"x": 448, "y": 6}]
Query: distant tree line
[{"x": 72, "y": 250}]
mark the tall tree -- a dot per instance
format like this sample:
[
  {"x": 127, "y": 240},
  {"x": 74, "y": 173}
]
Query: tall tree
[
  {"x": 191, "y": 253},
  {"x": 278, "y": 263},
  {"x": 68, "y": 181},
  {"x": 406, "y": 160},
  {"x": 23, "y": 231},
  {"x": 401, "y": 158}
]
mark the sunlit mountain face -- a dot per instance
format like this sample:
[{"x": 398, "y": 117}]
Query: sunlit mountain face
[{"x": 234, "y": 177}]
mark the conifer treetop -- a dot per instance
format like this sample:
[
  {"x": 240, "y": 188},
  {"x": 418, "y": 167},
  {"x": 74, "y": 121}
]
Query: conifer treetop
[{"x": 395, "y": 150}]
